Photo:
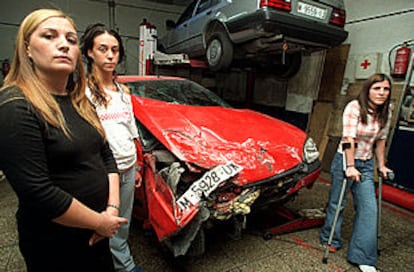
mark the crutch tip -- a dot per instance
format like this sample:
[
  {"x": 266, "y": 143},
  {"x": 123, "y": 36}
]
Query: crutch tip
[{"x": 325, "y": 260}]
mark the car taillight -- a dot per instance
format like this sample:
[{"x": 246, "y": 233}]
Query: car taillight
[
  {"x": 278, "y": 4},
  {"x": 338, "y": 17}
]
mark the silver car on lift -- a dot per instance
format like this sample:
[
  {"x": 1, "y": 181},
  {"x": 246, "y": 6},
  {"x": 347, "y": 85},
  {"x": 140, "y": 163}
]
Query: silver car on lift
[{"x": 269, "y": 33}]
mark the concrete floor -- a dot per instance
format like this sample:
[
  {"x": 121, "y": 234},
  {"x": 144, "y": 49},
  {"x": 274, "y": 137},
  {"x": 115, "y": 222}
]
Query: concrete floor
[{"x": 298, "y": 251}]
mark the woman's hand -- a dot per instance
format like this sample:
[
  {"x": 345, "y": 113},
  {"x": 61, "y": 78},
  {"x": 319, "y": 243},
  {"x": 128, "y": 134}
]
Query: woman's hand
[
  {"x": 112, "y": 211},
  {"x": 352, "y": 173},
  {"x": 383, "y": 171},
  {"x": 109, "y": 224},
  {"x": 95, "y": 238},
  {"x": 138, "y": 178}
]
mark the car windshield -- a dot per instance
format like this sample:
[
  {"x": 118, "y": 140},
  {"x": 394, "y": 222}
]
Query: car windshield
[{"x": 176, "y": 91}]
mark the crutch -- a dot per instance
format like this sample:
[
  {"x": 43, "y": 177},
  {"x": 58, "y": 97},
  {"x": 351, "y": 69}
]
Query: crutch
[
  {"x": 338, "y": 208},
  {"x": 390, "y": 176}
]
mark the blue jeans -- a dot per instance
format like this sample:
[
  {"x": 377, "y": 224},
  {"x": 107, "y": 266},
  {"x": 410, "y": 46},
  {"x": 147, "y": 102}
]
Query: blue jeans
[
  {"x": 121, "y": 253},
  {"x": 363, "y": 245}
]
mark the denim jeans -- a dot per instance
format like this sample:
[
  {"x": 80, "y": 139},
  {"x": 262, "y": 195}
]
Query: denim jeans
[
  {"x": 121, "y": 253},
  {"x": 363, "y": 244}
]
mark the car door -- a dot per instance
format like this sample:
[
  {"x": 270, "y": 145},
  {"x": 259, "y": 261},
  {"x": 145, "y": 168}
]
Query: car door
[
  {"x": 177, "y": 38},
  {"x": 205, "y": 12}
]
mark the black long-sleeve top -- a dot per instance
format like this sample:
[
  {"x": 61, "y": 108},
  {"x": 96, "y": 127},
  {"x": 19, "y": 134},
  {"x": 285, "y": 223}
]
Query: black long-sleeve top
[{"x": 46, "y": 169}]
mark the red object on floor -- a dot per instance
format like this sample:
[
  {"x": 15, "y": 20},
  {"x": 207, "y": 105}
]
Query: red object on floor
[
  {"x": 398, "y": 197},
  {"x": 293, "y": 222}
]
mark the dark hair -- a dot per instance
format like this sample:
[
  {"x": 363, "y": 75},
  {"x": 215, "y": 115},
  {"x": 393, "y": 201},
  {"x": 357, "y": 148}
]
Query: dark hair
[
  {"x": 381, "y": 112},
  {"x": 95, "y": 30},
  {"x": 87, "y": 42}
]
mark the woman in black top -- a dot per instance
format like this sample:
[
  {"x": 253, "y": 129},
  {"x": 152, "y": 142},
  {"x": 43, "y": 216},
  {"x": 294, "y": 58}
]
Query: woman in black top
[{"x": 54, "y": 153}]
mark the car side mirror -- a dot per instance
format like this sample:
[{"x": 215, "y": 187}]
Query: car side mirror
[{"x": 170, "y": 24}]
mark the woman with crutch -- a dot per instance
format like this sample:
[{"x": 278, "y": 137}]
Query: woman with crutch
[{"x": 366, "y": 123}]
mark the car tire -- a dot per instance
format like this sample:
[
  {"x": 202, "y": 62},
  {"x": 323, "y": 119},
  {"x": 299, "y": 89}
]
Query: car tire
[
  {"x": 272, "y": 65},
  {"x": 198, "y": 245},
  {"x": 290, "y": 68},
  {"x": 219, "y": 53}
]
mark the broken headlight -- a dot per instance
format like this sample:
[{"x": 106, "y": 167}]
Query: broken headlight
[{"x": 310, "y": 151}]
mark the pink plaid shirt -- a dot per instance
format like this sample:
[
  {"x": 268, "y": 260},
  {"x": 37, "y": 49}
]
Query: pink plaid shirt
[{"x": 364, "y": 135}]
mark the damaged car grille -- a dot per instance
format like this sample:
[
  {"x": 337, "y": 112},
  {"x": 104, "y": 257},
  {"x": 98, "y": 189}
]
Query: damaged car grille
[{"x": 230, "y": 199}]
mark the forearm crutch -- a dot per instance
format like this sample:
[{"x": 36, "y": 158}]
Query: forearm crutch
[
  {"x": 390, "y": 176},
  {"x": 338, "y": 208}
]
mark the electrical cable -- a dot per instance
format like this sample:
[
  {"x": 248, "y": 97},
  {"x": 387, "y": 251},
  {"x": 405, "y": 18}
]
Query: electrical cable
[{"x": 380, "y": 16}]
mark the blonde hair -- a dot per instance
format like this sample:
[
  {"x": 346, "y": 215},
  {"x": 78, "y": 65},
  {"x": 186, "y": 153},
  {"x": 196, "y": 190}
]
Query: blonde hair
[{"x": 22, "y": 75}]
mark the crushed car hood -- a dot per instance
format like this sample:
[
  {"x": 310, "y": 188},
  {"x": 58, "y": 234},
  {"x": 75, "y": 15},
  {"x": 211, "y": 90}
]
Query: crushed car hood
[{"x": 207, "y": 136}]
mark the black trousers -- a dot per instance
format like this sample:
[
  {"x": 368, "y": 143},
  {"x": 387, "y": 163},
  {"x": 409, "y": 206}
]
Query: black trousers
[{"x": 68, "y": 253}]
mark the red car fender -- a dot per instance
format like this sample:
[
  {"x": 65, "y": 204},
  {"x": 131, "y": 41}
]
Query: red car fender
[
  {"x": 306, "y": 181},
  {"x": 159, "y": 203}
]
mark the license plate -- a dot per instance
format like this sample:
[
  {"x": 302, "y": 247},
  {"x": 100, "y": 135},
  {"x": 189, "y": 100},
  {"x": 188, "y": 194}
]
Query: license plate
[
  {"x": 311, "y": 10},
  {"x": 207, "y": 184}
]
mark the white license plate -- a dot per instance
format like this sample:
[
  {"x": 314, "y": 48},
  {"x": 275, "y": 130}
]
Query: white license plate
[
  {"x": 311, "y": 10},
  {"x": 207, "y": 184}
]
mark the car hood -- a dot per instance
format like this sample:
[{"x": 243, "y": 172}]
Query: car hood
[{"x": 207, "y": 136}]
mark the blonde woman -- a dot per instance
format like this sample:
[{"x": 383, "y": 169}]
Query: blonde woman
[{"x": 54, "y": 152}]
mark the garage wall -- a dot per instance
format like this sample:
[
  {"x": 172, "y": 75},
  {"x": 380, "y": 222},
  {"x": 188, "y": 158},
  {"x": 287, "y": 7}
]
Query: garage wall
[
  {"x": 125, "y": 17},
  {"x": 375, "y": 27}
]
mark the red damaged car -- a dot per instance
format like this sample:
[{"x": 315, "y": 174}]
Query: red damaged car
[{"x": 206, "y": 162}]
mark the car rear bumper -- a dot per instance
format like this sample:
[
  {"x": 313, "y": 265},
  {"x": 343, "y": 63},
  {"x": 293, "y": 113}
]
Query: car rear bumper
[{"x": 265, "y": 21}]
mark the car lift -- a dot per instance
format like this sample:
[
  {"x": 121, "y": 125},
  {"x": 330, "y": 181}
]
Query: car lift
[
  {"x": 284, "y": 220},
  {"x": 305, "y": 219},
  {"x": 150, "y": 57}
]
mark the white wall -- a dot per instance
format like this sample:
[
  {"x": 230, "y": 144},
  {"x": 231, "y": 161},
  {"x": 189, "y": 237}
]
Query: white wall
[
  {"x": 377, "y": 35},
  {"x": 128, "y": 16}
]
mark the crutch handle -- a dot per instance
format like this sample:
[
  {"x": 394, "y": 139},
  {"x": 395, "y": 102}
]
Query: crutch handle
[
  {"x": 347, "y": 145},
  {"x": 390, "y": 176}
]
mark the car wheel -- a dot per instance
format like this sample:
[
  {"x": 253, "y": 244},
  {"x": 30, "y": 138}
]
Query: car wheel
[
  {"x": 290, "y": 67},
  {"x": 198, "y": 246},
  {"x": 219, "y": 51}
]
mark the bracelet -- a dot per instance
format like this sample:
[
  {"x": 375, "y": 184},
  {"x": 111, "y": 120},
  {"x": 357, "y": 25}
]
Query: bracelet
[
  {"x": 350, "y": 165},
  {"x": 112, "y": 206}
]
